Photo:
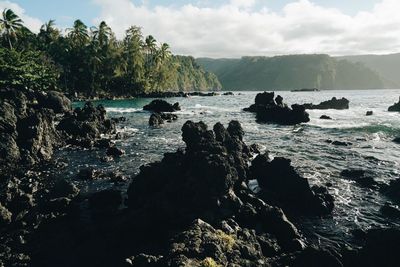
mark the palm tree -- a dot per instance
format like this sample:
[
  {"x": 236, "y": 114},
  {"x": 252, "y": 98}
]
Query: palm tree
[
  {"x": 102, "y": 34},
  {"x": 150, "y": 44},
  {"x": 48, "y": 32},
  {"x": 78, "y": 33},
  {"x": 10, "y": 24}
]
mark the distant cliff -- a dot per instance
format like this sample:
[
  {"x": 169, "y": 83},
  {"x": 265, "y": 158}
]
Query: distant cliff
[{"x": 291, "y": 72}]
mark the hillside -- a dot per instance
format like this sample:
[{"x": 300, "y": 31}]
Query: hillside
[
  {"x": 291, "y": 72},
  {"x": 387, "y": 66}
]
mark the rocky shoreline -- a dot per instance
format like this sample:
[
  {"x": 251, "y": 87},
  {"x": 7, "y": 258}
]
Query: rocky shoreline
[{"x": 194, "y": 207}]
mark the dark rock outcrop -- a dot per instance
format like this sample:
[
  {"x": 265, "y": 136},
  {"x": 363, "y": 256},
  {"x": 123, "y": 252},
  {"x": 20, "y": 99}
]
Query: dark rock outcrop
[
  {"x": 281, "y": 184},
  {"x": 157, "y": 119},
  {"x": 88, "y": 122},
  {"x": 159, "y": 105},
  {"x": 270, "y": 110},
  {"x": 334, "y": 103},
  {"x": 395, "y": 107},
  {"x": 54, "y": 100},
  {"x": 325, "y": 117},
  {"x": 397, "y": 140},
  {"x": 369, "y": 113},
  {"x": 362, "y": 177},
  {"x": 338, "y": 143}
]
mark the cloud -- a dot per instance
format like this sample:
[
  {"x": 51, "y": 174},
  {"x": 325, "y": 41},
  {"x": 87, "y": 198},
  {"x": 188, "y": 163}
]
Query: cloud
[{"x": 32, "y": 23}]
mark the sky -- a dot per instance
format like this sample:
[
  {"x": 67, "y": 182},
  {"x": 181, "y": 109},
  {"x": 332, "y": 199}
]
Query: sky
[{"x": 235, "y": 28}]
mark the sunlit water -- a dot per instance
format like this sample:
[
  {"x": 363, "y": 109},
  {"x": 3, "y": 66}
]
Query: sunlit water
[{"x": 371, "y": 137}]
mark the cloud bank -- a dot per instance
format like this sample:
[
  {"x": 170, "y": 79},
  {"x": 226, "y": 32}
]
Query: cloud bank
[{"x": 238, "y": 28}]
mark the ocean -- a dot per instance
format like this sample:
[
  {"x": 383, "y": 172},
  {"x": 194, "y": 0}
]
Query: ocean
[{"x": 371, "y": 137}]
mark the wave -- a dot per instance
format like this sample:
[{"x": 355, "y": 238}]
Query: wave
[{"x": 124, "y": 110}]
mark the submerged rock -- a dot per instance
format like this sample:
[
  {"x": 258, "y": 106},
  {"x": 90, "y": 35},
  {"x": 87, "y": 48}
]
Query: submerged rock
[
  {"x": 325, "y": 117},
  {"x": 362, "y": 177},
  {"x": 334, "y": 103},
  {"x": 275, "y": 111},
  {"x": 281, "y": 184},
  {"x": 157, "y": 119},
  {"x": 395, "y": 107},
  {"x": 159, "y": 105}
]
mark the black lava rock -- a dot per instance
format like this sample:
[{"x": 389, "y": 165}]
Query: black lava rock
[
  {"x": 395, "y": 107},
  {"x": 334, "y": 103},
  {"x": 159, "y": 105}
]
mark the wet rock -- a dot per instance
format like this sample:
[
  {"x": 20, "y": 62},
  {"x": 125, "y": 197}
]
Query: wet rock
[
  {"x": 381, "y": 248},
  {"x": 269, "y": 110},
  {"x": 369, "y": 113},
  {"x": 103, "y": 143},
  {"x": 56, "y": 101},
  {"x": 325, "y": 117},
  {"x": 88, "y": 122},
  {"x": 312, "y": 256},
  {"x": 390, "y": 211},
  {"x": 395, "y": 107},
  {"x": 338, "y": 143},
  {"x": 334, "y": 103},
  {"x": 280, "y": 183},
  {"x": 88, "y": 174},
  {"x": 63, "y": 188},
  {"x": 5, "y": 216},
  {"x": 157, "y": 119},
  {"x": 362, "y": 177},
  {"x": 115, "y": 152},
  {"x": 393, "y": 190},
  {"x": 397, "y": 140},
  {"x": 228, "y": 93},
  {"x": 105, "y": 201},
  {"x": 159, "y": 105}
]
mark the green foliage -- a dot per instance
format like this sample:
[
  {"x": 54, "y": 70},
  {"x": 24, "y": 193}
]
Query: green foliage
[
  {"x": 209, "y": 262},
  {"x": 92, "y": 62},
  {"x": 227, "y": 240},
  {"x": 291, "y": 72},
  {"x": 27, "y": 69}
]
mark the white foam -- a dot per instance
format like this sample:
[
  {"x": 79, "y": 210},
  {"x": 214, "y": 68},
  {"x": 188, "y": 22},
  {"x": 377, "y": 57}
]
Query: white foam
[{"x": 123, "y": 110}]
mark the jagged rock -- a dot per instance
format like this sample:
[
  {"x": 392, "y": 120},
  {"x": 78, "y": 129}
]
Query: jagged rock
[
  {"x": 88, "y": 122},
  {"x": 63, "y": 188},
  {"x": 280, "y": 183},
  {"x": 339, "y": 143},
  {"x": 325, "y": 117},
  {"x": 381, "y": 248},
  {"x": 395, "y": 107},
  {"x": 228, "y": 93},
  {"x": 106, "y": 200},
  {"x": 159, "y": 105},
  {"x": 369, "y": 113},
  {"x": 158, "y": 118},
  {"x": 5, "y": 216},
  {"x": 115, "y": 151},
  {"x": 390, "y": 211},
  {"x": 393, "y": 190},
  {"x": 155, "y": 119},
  {"x": 275, "y": 111},
  {"x": 56, "y": 101},
  {"x": 362, "y": 177},
  {"x": 334, "y": 103},
  {"x": 397, "y": 140}
]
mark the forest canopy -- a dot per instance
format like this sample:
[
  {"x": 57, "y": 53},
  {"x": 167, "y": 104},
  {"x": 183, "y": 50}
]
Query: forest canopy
[{"x": 91, "y": 61}]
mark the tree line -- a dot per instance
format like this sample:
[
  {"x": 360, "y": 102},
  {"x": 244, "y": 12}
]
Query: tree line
[{"x": 91, "y": 61}]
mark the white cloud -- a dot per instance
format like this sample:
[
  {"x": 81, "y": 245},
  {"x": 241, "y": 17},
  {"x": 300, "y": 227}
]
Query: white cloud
[
  {"x": 32, "y": 23},
  {"x": 237, "y": 29}
]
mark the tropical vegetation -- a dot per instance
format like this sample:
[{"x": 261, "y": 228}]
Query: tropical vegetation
[{"x": 91, "y": 61}]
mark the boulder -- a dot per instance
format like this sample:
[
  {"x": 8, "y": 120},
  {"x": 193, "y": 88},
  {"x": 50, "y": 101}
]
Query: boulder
[
  {"x": 159, "y": 105},
  {"x": 280, "y": 183},
  {"x": 395, "y": 107},
  {"x": 115, "y": 151},
  {"x": 56, "y": 101},
  {"x": 362, "y": 177},
  {"x": 269, "y": 110},
  {"x": 157, "y": 119},
  {"x": 338, "y": 143},
  {"x": 369, "y": 113},
  {"x": 396, "y": 140},
  {"x": 87, "y": 122},
  {"x": 325, "y": 117},
  {"x": 334, "y": 103}
]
